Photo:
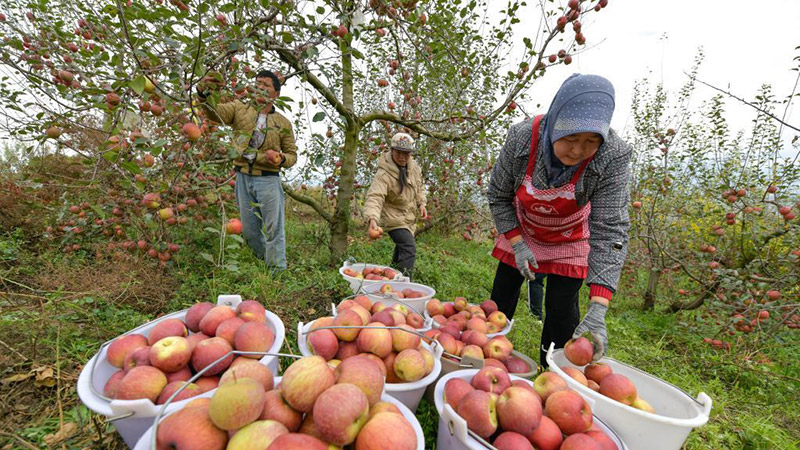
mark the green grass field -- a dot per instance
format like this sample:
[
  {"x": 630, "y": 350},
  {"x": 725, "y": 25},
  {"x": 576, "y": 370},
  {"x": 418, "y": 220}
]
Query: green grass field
[{"x": 49, "y": 331}]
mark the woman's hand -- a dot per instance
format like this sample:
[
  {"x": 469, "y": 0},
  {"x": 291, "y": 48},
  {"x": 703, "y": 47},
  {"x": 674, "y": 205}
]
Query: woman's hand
[
  {"x": 524, "y": 258},
  {"x": 423, "y": 212},
  {"x": 594, "y": 322},
  {"x": 373, "y": 225},
  {"x": 374, "y": 231}
]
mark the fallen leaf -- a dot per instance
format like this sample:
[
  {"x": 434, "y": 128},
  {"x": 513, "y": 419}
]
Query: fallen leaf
[
  {"x": 17, "y": 378},
  {"x": 44, "y": 377},
  {"x": 67, "y": 431}
]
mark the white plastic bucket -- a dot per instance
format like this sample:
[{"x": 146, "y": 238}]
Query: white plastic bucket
[
  {"x": 502, "y": 332},
  {"x": 677, "y": 412},
  {"x": 131, "y": 418},
  {"x": 454, "y": 435},
  {"x": 418, "y": 304},
  {"x": 145, "y": 442},
  {"x": 360, "y": 284},
  {"x": 409, "y": 393}
]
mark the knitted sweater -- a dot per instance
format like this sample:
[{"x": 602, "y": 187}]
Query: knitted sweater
[{"x": 604, "y": 183}]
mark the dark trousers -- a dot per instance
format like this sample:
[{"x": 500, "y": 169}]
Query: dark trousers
[
  {"x": 562, "y": 313},
  {"x": 405, "y": 251},
  {"x": 536, "y": 294}
]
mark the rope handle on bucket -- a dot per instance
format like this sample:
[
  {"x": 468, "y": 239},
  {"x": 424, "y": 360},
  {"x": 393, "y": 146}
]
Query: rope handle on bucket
[{"x": 199, "y": 374}]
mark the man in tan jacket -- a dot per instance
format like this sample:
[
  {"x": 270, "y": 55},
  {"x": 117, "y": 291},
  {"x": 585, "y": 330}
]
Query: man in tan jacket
[
  {"x": 396, "y": 195},
  {"x": 265, "y": 142}
]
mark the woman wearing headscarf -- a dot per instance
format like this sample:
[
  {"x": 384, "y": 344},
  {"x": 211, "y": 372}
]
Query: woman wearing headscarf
[
  {"x": 394, "y": 198},
  {"x": 558, "y": 195}
]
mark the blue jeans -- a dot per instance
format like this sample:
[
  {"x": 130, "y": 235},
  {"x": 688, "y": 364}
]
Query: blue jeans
[{"x": 261, "y": 203}]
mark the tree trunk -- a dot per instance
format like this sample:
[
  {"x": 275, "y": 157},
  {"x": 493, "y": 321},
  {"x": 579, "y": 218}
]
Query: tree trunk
[
  {"x": 340, "y": 225},
  {"x": 651, "y": 294}
]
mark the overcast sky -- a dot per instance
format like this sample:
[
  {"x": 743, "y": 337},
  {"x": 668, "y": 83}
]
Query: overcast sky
[{"x": 746, "y": 44}]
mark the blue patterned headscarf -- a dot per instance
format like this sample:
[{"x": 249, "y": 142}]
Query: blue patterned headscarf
[{"x": 583, "y": 103}]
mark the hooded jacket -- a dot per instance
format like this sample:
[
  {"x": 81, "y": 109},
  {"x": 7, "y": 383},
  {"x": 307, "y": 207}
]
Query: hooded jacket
[{"x": 384, "y": 201}]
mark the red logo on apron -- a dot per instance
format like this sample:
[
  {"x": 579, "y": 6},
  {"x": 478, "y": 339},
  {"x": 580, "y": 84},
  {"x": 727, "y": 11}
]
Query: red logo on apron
[{"x": 552, "y": 224}]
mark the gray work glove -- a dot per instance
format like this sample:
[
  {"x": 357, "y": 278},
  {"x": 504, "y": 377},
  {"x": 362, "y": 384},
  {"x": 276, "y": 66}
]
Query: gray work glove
[
  {"x": 523, "y": 256},
  {"x": 594, "y": 321}
]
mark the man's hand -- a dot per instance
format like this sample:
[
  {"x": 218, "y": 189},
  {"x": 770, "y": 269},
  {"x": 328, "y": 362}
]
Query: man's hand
[
  {"x": 374, "y": 231},
  {"x": 274, "y": 157},
  {"x": 423, "y": 212},
  {"x": 211, "y": 82}
]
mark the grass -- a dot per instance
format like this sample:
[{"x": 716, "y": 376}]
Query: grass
[{"x": 58, "y": 325}]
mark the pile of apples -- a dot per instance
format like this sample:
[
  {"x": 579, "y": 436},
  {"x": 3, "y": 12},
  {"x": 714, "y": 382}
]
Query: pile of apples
[
  {"x": 513, "y": 415},
  {"x": 405, "y": 293},
  {"x": 372, "y": 273},
  {"x": 598, "y": 376},
  {"x": 155, "y": 366},
  {"x": 398, "y": 352},
  {"x": 313, "y": 407},
  {"x": 484, "y": 317}
]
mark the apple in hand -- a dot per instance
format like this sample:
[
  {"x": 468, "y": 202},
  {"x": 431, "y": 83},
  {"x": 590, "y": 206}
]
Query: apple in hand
[
  {"x": 579, "y": 351},
  {"x": 274, "y": 157}
]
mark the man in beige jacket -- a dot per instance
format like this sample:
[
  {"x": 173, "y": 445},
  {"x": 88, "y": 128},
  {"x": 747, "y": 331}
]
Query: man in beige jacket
[
  {"x": 265, "y": 142},
  {"x": 396, "y": 195}
]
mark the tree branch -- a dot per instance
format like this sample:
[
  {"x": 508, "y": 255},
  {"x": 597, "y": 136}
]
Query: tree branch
[{"x": 308, "y": 201}]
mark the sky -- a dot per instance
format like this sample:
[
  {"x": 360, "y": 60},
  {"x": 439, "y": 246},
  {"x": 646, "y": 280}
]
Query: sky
[{"x": 746, "y": 44}]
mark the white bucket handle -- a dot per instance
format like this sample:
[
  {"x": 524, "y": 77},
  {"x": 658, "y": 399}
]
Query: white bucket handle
[
  {"x": 702, "y": 400},
  {"x": 457, "y": 427},
  {"x": 229, "y": 300}
]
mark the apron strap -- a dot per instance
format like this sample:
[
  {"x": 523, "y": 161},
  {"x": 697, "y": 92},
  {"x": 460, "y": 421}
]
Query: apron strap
[{"x": 534, "y": 145}]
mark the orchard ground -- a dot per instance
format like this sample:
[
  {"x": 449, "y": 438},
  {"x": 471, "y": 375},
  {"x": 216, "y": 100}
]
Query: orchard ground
[{"x": 58, "y": 308}]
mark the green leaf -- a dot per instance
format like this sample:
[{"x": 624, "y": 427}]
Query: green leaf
[
  {"x": 131, "y": 167},
  {"x": 319, "y": 117},
  {"x": 212, "y": 230},
  {"x": 236, "y": 238},
  {"x": 138, "y": 85},
  {"x": 207, "y": 257}
]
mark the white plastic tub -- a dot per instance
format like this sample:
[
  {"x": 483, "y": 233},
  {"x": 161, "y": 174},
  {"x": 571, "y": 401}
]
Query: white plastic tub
[
  {"x": 677, "y": 413},
  {"x": 145, "y": 442},
  {"x": 410, "y": 393},
  {"x": 131, "y": 418},
  {"x": 454, "y": 435},
  {"x": 416, "y": 304},
  {"x": 502, "y": 332},
  {"x": 360, "y": 284}
]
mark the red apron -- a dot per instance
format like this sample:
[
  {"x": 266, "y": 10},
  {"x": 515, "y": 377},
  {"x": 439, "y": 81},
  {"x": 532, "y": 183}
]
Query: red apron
[{"x": 552, "y": 224}]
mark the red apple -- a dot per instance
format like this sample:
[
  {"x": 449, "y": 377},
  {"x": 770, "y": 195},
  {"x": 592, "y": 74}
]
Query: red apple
[
  {"x": 251, "y": 311},
  {"x": 498, "y": 347},
  {"x": 434, "y": 307},
  {"x": 454, "y": 390},
  {"x": 297, "y": 441},
  {"x": 517, "y": 365},
  {"x": 138, "y": 357},
  {"x": 569, "y": 411},
  {"x": 548, "y": 383},
  {"x": 477, "y": 408},
  {"x": 111, "y": 386},
  {"x": 189, "y": 391},
  {"x": 227, "y": 329},
  {"x": 254, "y": 337},
  {"x": 167, "y": 327},
  {"x": 509, "y": 440},
  {"x": 365, "y": 374},
  {"x": 340, "y": 412},
  {"x": 237, "y": 403},
  {"x": 207, "y": 383},
  {"x": 579, "y": 351},
  {"x": 347, "y": 317},
  {"x": 491, "y": 379},
  {"x": 141, "y": 382},
  {"x": 121, "y": 346},
  {"x": 181, "y": 375},
  {"x": 249, "y": 369},
  {"x": 208, "y": 351},
  {"x": 618, "y": 387},
  {"x": 409, "y": 365},
  {"x": 596, "y": 371},
  {"x": 276, "y": 408},
  {"x": 191, "y": 429},
  {"x": 547, "y": 436},
  {"x": 405, "y": 338},
  {"x": 519, "y": 410},
  {"x": 580, "y": 441},
  {"x": 385, "y": 431},
  {"x": 498, "y": 318},
  {"x": 196, "y": 313},
  {"x": 576, "y": 374},
  {"x": 170, "y": 354},
  {"x": 605, "y": 442},
  {"x": 324, "y": 343},
  {"x": 215, "y": 316},
  {"x": 375, "y": 339},
  {"x": 304, "y": 380}
]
